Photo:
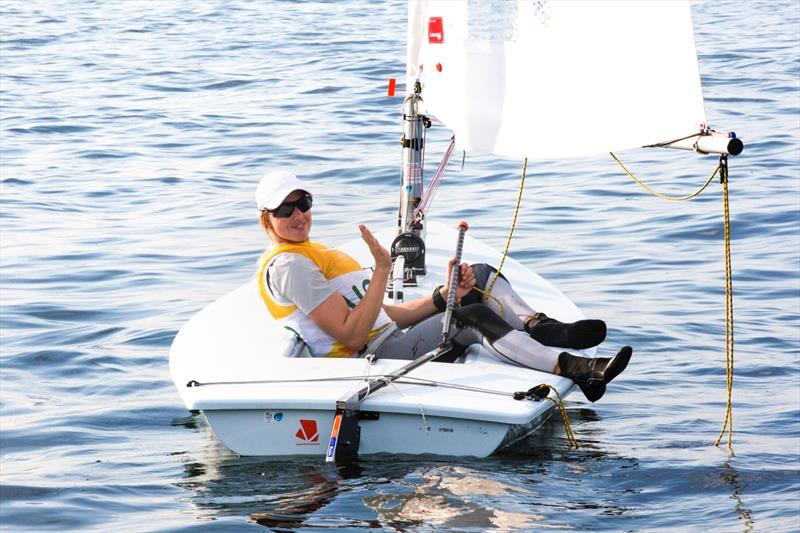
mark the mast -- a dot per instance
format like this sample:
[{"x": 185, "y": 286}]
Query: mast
[
  {"x": 411, "y": 192},
  {"x": 410, "y": 240}
]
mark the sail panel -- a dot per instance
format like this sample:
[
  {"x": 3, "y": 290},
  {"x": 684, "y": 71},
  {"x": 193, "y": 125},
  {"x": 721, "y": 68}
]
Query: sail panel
[{"x": 545, "y": 79}]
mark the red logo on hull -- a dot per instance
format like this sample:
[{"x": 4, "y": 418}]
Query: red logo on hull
[{"x": 307, "y": 433}]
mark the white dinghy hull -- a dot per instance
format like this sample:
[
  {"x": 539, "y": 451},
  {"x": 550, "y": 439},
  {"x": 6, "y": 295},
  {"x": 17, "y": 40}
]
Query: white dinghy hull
[
  {"x": 392, "y": 434},
  {"x": 294, "y": 417},
  {"x": 228, "y": 363},
  {"x": 279, "y": 430}
]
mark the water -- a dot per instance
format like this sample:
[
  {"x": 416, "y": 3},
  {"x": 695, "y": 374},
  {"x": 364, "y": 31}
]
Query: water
[{"x": 133, "y": 135}]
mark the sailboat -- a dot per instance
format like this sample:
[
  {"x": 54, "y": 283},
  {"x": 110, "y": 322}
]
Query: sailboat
[{"x": 533, "y": 79}]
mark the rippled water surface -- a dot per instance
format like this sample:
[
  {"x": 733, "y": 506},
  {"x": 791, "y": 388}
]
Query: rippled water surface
[{"x": 133, "y": 134}]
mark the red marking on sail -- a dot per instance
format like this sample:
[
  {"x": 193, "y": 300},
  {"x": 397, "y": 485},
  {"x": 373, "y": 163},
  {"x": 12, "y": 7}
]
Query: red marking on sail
[
  {"x": 435, "y": 30},
  {"x": 308, "y": 431}
]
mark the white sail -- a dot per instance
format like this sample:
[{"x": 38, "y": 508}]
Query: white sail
[{"x": 544, "y": 79}]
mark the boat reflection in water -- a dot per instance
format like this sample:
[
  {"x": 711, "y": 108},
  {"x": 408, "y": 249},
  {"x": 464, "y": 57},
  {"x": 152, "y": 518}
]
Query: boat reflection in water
[
  {"x": 452, "y": 497},
  {"x": 510, "y": 491}
]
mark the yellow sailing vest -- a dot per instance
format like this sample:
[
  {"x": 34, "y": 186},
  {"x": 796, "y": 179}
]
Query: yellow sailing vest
[{"x": 346, "y": 276}]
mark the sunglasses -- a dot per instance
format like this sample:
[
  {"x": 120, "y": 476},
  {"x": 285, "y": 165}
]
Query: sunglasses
[{"x": 286, "y": 209}]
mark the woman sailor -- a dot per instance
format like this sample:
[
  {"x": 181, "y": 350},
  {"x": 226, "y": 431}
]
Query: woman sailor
[{"x": 337, "y": 307}]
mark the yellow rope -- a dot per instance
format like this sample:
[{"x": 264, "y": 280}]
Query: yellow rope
[
  {"x": 564, "y": 418},
  {"x": 651, "y": 191},
  {"x": 722, "y": 168},
  {"x": 488, "y": 292},
  {"x": 728, "y": 422},
  {"x": 490, "y": 295}
]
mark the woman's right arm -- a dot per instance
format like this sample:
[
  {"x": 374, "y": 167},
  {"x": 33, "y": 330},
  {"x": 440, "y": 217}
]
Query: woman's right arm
[{"x": 351, "y": 327}]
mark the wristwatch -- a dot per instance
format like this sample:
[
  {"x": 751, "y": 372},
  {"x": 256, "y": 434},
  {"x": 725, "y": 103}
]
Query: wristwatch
[{"x": 438, "y": 301}]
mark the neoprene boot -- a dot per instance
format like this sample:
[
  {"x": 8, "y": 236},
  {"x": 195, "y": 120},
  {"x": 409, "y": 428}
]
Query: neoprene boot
[
  {"x": 575, "y": 335},
  {"x": 593, "y": 391},
  {"x": 593, "y": 374}
]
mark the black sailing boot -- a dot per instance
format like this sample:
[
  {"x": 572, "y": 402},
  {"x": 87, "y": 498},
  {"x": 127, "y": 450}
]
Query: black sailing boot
[
  {"x": 576, "y": 335},
  {"x": 593, "y": 391},
  {"x": 593, "y": 374}
]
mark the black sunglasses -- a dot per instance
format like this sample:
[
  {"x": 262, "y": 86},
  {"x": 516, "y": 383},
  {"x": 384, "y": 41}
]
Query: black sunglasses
[{"x": 286, "y": 209}]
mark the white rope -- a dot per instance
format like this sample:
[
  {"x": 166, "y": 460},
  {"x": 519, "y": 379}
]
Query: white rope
[
  {"x": 370, "y": 360},
  {"x": 409, "y": 380},
  {"x": 419, "y": 405}
]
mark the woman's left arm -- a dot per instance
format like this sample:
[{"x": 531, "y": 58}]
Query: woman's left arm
[{"x": 409, "y": 313}]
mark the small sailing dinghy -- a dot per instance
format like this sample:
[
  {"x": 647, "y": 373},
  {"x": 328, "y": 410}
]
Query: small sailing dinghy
[
  {"x": 518, "y": 79},
  {"x": 230, "y": 361}
]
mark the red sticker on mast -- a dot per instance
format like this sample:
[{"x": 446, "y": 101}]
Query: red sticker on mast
[{"x": 435, "y": 30}]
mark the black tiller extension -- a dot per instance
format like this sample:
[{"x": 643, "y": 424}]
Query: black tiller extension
[{"x": 346, "y": 433}]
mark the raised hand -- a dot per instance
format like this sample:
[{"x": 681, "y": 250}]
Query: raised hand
[{"x": 383, "y": 260}]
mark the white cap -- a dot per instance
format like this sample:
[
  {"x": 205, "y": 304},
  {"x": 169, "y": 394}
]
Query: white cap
[{"x": 275, "y": 187}]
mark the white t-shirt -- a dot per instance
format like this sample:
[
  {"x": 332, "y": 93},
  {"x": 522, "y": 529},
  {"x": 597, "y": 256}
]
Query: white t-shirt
[{"x": 294, "y": 280}]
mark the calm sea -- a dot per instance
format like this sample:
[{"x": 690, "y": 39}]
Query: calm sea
[{"x": 133, "y": 134}]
